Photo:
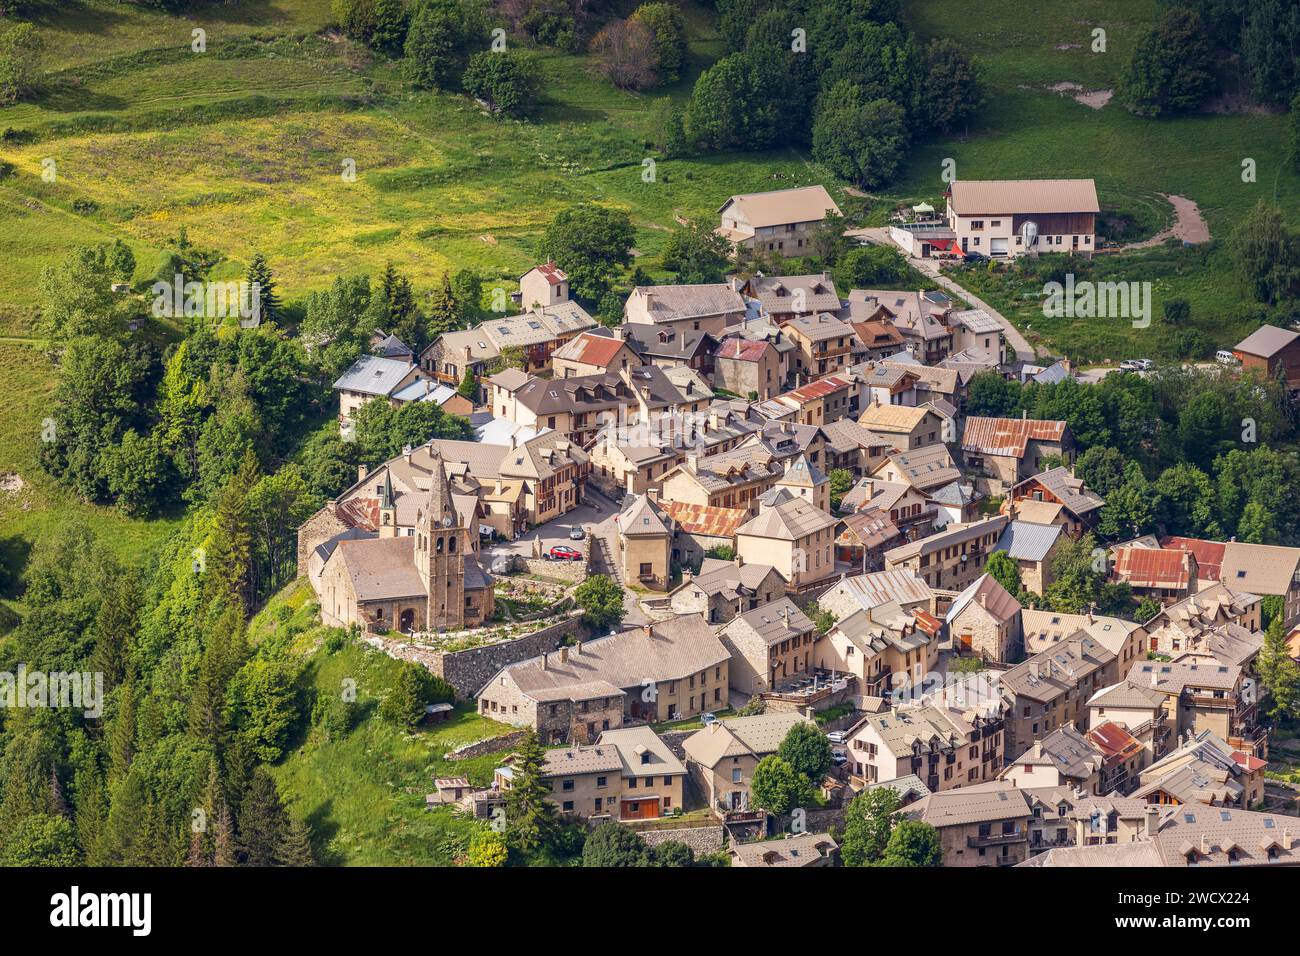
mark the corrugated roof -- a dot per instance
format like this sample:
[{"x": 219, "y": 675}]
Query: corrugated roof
[
  {"x": 1154, "y": 567},
  {"x": 1008, "y": 436},
  {"x": 706, "y": 520},
  {"x": 1029, "y": 542}
]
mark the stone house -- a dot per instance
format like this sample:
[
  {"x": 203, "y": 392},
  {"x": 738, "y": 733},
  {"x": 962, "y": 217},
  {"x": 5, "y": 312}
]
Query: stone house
[
  {"x": 985, "y": 620},
  {"x": 627, "y": 774},
  {"x": 781, "y": 222},
  {"x": 1005, "y": 451},
  {"x": 769, "y": 644},
  {"x": 793, "y": 536},
  {"x": 723, "y": 589},
  {"x": 721, "y": 758}
]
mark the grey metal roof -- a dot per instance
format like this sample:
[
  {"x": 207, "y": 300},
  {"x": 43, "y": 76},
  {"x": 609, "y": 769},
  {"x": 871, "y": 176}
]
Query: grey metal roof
[
  {"x": 374, "y": 375},
  {"x": 1028, "y": 542}
]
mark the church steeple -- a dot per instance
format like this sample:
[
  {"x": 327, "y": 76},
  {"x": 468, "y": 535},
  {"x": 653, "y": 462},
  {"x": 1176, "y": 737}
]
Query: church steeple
[{"x": 439, "y": 551}]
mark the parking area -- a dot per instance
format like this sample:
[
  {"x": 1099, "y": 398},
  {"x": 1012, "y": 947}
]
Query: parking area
[{"x": 595, "y": 510}]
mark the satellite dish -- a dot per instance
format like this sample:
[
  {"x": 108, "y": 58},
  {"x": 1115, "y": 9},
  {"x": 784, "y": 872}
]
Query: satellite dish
[{"x": 1029, "y": 233}]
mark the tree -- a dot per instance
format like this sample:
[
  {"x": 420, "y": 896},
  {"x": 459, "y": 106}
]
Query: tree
[
  {"x": 1077, "y": 581},
  {"x": 1279, "y": 673},
  {"x": 263, "y": 703},
  {"x": 441, "y": 37},
  {"x": 260, "y": 277},
  {"x": 672, "y": 853},
  {"x": 589, "y": 242},
  {"x": 806, "y": 749},
  {"x": 468, "y": 384},
  {"x": 625, "y": 52},
  {"x": 1147, "y": 608},
  {"x": 530, "y": 816},
  {"x": 1102, "y": 469},
  {"x": 738, "y": 104},
  {"x": 391, "y": 21},
  {"x": 1004, "y": 569},
  {"x": 601, "y": 600},
  {"x": 263, "y": 823},
  {"x": 696, "y": 254},
  {"x": 1269, "y": 38},
  {"x": 612, "y": 844},
  {"x": 355, "y": 17},
  {"x": 841, "y": 483},
  {"x": 913, "y": 843},
  {"x": 508, "y": 82},
  {"x": 1170, "y": 68},
  {"x": 405, "y": 703},
  {"x": 487, "y": 848},
  {"x": 1265, "y": 253},
  {"x": 77, "y": 300},
  {"x": 859, "y": 139},
  {"x": 668, "y": 34},
  {"x": 952, "y": 89},
  {"x": 296, "y": 849},
  {"x": 777, "y": 787},
  {"x": 870, "y": 267},
  {"x": 41, "y": 840},
  {"x": 21, "y": 51},
  {"x": 868, "y": 825}
]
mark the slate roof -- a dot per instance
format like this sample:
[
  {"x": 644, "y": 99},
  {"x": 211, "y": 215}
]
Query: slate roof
[
  {"x": 788, "y": 518},
  {"x": 1024, "y": 196},
  {"x": 988, "y": 594},
  {"x": 772, "y": 623},
  {"x": 671, "y": 303},
  {"x": 775, "y": 293}
]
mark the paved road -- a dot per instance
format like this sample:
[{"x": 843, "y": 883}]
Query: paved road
[{"x": 930, "y": 267}]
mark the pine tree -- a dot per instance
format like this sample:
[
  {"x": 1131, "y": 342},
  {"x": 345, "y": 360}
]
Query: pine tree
[
  {"x": 530, "y": 817},
  {"x": 259, "y": 276},
  {"x": 222, "y": 655},
  {"x": 198, "y": 856},
  {"x": 296, "y": 849},
  {"x": 58, "y": 805},
  {"x": 263, "y": 824},
  {"x": 1278, "y": 672},
  {"x": 229, "y": 573},
  {"x": 223, "y": 838},
  {"x": 121, "y": 734},
  {"x": 444, "y": 311}
]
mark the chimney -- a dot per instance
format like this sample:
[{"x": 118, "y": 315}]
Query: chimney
[
  {"x": 1287, "y": 839},
  {"x": 647, "y": 631},
  {"x": 500, "y": 486},
  {"x": 1152, "y": 821},
  {"x": 692, "y": 463},
  {"x": 652, "y": 494},
  {"x": 362, "y": 471},
  {"x": 577, "y": 649},
  {"x": 564, "y": 654},
  {"x": 1155, "y": 678},
  {"x": 1024, "y": 414},
  {"x": 546, "y": 664},
  {"x": 467, "y": 353}
]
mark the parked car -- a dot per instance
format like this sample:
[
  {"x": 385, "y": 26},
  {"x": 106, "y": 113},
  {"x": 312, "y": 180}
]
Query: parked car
[
  {"x": 839, "y": 758},
  {"x": 1224, "y": 357},
  {"x": 836, "y": 736},
  {"x": 1136, "y": 365},
  {"x": 562, "y": 552},
  {"x": 576, "y": 533},
  {"x": 707, "y": 719},
  {"x": 974, "y": 257}
]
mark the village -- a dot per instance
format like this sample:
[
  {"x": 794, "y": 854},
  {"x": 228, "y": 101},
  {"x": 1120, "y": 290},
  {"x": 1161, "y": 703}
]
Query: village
[{"x": 818, "y": 552}]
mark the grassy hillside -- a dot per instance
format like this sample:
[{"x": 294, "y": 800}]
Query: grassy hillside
[{"x": 1027, "y": 130}]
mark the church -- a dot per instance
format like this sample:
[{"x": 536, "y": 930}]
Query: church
[{"x": 428, "y": 579}]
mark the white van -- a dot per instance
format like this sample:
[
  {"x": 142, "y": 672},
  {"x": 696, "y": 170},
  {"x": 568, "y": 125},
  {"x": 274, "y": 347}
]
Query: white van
[{"x": 1224, "y": 357}]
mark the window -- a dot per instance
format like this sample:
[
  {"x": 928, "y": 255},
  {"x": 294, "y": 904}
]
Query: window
[
  {"x": 568, "y": 806},
  {"x": 568, "y": 785},
  {"x": 735, "y": 775}
]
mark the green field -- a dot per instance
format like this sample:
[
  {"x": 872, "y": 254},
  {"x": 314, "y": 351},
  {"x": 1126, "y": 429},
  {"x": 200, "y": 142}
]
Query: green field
[{"x": 245, "y": 144}]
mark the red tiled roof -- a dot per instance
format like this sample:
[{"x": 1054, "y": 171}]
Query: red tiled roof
[
  {"x": 598, "y": 350},
  {"x": 1209, "y": 554},
  {"x": 1115, "y": 743},
  {"x": 553, "y": 273},
  {"x": 927, "y": 621},
  {"x": 1008, "y": 436},
  {"x": 360, "y": 513},
  {"x": 1250, "y": 764},
  {"x": 743, "y": 349},
  {"x": 818, "y": 389},
  {"x": 1154, "y": 567}
]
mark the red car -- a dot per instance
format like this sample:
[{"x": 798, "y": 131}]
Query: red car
[{"x": 562, "y": 552}]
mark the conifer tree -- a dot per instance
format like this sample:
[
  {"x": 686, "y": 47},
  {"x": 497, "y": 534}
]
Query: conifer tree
[
  {"x": 444, "y": 310},
  {"x": 296, "y": 849},
  {"x": 198, "y": 856},
  {"x": 259, "y": 273},
  {"x": 530, "y": 817},
  {"x": 121, "y": 734},
  {"x": 263, "y": 824}
]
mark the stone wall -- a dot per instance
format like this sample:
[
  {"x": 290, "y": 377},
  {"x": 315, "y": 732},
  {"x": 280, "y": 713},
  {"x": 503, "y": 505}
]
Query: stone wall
[
  {"x": 316, "y": 530},
  {"x": 490, "y": 746},
  {"x": 561, "y": 570},
  {"x": 468, "y": 670},
  {"x": 702, "y": 840}
]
